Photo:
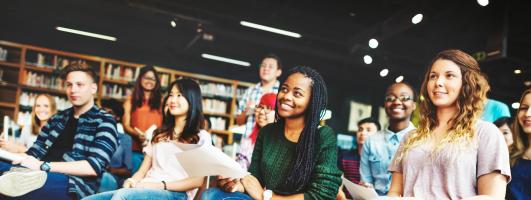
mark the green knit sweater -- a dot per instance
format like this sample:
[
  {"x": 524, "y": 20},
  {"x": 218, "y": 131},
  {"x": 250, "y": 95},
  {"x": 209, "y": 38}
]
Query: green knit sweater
[{"x": 272, "y": 159}]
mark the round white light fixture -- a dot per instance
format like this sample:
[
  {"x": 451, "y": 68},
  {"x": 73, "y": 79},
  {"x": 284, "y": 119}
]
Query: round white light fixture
[
  {"x": 527, "y": 83},
  {"x": 173, "y": 23},
  {"x": 399, "y": 79},
  {"x": 367, "y": 59},
  {"x": 483, "y": 2},
  {"x": 384, "y": 72},
  {"x": 517, "y": 71},
  {"x": 416, "y": 19},
  {"x": 515, "y": 105},
  {"x": 373, "y": 43}
]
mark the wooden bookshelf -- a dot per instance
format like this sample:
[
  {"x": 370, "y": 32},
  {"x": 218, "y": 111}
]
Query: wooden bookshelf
[
  {"x": 9, "y": 64},
  {"x": 25, "y": 59}
]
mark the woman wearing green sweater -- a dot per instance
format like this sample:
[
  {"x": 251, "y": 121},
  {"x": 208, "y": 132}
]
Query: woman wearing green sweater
[{"x": 293, "y": 158}]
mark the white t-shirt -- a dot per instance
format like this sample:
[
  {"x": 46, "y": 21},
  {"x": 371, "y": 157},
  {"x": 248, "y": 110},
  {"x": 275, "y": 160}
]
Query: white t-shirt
[
  {"x": 26, "y": 137},
  {"x": 164, "y": 164}
]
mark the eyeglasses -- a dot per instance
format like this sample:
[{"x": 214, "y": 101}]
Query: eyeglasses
[
  {"x": 149, "y": 79},
  {"x": 401, "y": 98},
  {"x": 265, "y": 108}
]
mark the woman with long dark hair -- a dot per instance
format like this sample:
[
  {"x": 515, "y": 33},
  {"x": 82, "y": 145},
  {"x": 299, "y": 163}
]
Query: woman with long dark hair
[
  {"x": 453, "y": 154},
  {"x": 161, "y": 175},
  {"x": 143, "y": 110},
  {"x": 294, "y": 158}
]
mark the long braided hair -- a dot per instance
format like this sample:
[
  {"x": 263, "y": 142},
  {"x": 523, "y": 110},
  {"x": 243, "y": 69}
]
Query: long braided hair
[{"x": 305, "y": 150}]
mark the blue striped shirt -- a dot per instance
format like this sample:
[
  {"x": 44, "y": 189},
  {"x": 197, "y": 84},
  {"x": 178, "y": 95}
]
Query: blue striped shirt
[{"x": 95, "y": 141}]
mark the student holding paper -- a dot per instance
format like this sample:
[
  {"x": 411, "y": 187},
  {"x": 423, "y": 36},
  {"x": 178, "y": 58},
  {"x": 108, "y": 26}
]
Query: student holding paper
[
  {"x": 294, "y": 158},
  {"x": 453, "y": 154},
  {"x": 43, "y": 108},
  {"x": 161, "y": 175},
  {"x": 143, "y": 110}
]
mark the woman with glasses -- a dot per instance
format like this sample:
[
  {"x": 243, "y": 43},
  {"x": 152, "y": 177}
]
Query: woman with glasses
[
  {"x": 378, "y": 150},
  {"x": 264, "y": 113},
  {"x": 143, "y": 110},
  {"x": 453, "y": 154}
]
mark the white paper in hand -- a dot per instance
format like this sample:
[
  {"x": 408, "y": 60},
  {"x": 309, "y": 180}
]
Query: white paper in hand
[
  {"x": 209, "y": 161},
  {"x": 6, "y": 155},
  {"x": 359, "y": 192},
  {"x": 149, "y": 132}
]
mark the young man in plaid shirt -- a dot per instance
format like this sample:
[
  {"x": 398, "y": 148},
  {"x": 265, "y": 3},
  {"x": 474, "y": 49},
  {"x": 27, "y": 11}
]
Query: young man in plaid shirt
[
  {"x": 71, "y": 151},
  {"x": 270, "y": 70}
]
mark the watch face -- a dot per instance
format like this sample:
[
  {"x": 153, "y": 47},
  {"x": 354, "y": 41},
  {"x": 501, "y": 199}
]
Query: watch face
[
  {"x": 45, "y": 167},
  {"x": 268, "y": 194}
]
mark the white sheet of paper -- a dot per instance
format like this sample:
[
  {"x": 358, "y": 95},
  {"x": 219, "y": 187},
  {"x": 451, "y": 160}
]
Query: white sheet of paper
[
  {"x": 359, "y": 192},
  {"x": 187, "y": 147},
  {"x": 6, "y": 155},
  {"x": 149, "y": 132},
  {"x": 209, "y": 161}
]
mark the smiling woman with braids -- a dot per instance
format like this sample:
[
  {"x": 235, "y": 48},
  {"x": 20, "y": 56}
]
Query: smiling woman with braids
[
  {"x": 293, "y": 158},
  {"x": 453, "y": 154}
]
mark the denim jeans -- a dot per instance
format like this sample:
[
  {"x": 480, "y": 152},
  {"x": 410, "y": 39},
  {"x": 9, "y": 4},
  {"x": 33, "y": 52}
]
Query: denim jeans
[
  {"x": 138, "y": 194},
  {"x": 218, "y": 194},
  {"x": 108, "y": 183},
  {"x": 137, "y": 158},
  {"x": 55, "y": 187}
]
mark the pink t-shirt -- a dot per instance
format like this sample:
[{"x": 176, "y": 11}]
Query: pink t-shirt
[
  {"x": 431, "y": 176},
  {"x": 164, "y": 164}
]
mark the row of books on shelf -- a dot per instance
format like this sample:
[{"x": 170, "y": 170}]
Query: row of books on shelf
[
  {"x": 27, "y": 99},
  {"x": 216, "y": 89},
  {"x": 119, "y": 72},
  {"x": 24, "y": 118},
  {"x": 57, "y": 62},
  {"x": 3, "y": 54},
  {"x": 218, "y": 123},
  {"x": 214, "y": 106},
  {"x": 43, "y": 80},
  {"x": 116, "y": 91}
]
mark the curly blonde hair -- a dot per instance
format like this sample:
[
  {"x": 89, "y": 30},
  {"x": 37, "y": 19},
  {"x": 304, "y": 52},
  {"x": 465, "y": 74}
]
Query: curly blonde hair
[
  {"x": 470, "y": 103},
  {"x": 521, "y": 142}
]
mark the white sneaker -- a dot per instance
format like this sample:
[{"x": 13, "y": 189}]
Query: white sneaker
[{"x": 14, "y": 184}]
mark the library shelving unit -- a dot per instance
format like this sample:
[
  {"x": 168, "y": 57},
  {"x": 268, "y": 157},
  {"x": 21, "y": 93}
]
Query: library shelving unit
[
  {"x": 27, "y": 70},
  {"x": 118, "y": 79}
]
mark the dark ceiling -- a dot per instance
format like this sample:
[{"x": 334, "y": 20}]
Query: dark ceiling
[{"x": 334, "y": 37}]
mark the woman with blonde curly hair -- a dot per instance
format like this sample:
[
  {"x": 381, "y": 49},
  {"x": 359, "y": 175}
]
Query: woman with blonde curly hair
[
  {"x": 521, "y": 151},
  {"x": 453, "y": 154}
]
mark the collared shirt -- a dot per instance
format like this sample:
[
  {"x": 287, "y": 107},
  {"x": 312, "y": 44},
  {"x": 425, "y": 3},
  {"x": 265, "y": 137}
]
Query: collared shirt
[
  {"x": 253, "y": 94},
  {"x": 378, "y": 152},
  {"x": 95, "y": 141}
]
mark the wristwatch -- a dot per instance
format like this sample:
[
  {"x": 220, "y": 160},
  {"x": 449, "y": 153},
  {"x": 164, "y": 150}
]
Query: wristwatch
[
  {"x": 45, "y": 166},
  {"x": 267, "y": 195}
]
